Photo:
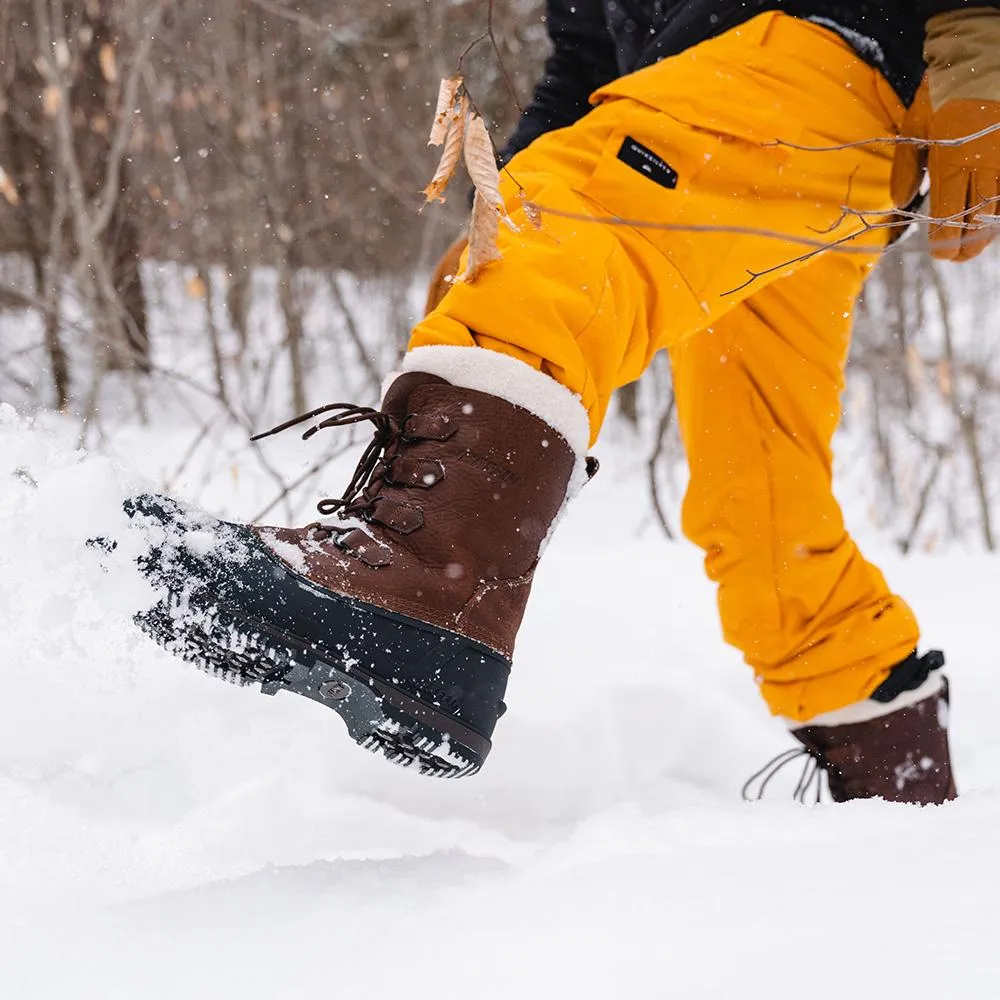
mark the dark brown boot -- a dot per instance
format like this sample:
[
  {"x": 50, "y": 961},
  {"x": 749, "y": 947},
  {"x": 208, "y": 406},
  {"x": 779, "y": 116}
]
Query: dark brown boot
[
  {"x": 899, "y": 755},
  {"x": 401, "y": 610}
]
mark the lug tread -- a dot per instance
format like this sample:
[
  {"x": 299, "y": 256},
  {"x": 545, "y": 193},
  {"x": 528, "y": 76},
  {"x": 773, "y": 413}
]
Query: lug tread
[{"x": 233, "y": 650}]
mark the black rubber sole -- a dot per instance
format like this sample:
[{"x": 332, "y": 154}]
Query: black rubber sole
[
  {"x": 420, "y": 695},
  {"x": 379, "y": 718}
]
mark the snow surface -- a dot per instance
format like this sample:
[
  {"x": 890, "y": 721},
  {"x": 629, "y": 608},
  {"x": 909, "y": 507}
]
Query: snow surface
[{"x": 164, "y": 835}]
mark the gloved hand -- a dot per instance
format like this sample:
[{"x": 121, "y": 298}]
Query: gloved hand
[
  {"x": 446, "y": 270},
  {"x": 960, "y": 96}
]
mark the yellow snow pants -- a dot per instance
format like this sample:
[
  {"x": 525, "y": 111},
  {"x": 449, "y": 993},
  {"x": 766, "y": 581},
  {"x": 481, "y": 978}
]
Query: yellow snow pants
[{"x": 733, "y": 134}]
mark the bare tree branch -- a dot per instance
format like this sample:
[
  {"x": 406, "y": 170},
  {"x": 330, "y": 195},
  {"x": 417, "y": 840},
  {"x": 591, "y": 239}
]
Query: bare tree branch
[{"x": 889, "y": 140}]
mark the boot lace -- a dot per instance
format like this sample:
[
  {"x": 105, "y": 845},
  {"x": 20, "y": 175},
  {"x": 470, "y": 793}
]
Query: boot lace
[
  {"x": 373, "y": 466},
  {"x": 810, "y": 783}
]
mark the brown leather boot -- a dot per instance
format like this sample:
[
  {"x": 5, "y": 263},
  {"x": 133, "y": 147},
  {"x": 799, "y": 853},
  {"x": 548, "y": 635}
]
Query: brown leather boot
[
  {"x": 401, "y": 611},
  {"x": 899, "y": 755}
]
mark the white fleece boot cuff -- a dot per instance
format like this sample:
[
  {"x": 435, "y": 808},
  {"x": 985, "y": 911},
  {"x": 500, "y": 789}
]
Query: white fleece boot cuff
[
  {"x": 501, "y": 375},
  {"x": 863, "y": 711}
]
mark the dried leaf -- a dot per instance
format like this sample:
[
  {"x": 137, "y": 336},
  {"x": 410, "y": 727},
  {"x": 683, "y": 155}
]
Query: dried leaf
[
  {"x": 484, "y": 228},
  {"x": 51, "y": 101},
  {"x": 945, "y": 381},
  {"x": 195, "y": 287},
  {"x": 481, "y": 162},
  {"x": 450, "y": 156},
  {"x": 444, "y": 113},
  {"x": 109, "y": 65},
  {"x": 7, "y": 188},
  {"x": 914, "y": 367}
]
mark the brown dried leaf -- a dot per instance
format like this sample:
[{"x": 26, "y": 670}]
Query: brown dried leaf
[
  {"x": 51, "y": 101},
  {"x": 7, "y": 188},
  {"x": 914, "y": 367},
  {"x": 444, "y": 113},
  {"x": 945, "y": 381},
  {"x": 450, "y": 156},
  {"x": 484, "y": 228},
  {"x": 109, "y": 65},
  {"x": 481, "y": 162}
]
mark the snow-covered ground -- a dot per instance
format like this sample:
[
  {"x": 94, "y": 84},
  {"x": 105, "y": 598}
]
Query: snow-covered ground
[{"x": 163, "y": 835}]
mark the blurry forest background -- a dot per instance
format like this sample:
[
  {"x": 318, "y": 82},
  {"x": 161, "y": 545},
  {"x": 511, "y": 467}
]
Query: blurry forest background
[{"x": 216, "y": 204}]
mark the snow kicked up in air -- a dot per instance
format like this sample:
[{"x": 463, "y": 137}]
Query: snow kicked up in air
[{"x": 163, "y": 835}]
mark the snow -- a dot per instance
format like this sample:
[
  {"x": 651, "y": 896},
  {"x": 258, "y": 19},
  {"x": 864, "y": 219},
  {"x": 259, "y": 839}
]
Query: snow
[{"x": 164, "y": 835}]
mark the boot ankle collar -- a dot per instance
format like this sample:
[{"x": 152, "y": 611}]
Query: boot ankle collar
[
  {"x": 510, "y": 379},
  {"x": 864, "y": 711}
]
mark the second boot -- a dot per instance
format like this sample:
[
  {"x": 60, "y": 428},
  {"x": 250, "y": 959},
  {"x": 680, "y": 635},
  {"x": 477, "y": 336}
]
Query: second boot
[{"x": 892, "y": 746}]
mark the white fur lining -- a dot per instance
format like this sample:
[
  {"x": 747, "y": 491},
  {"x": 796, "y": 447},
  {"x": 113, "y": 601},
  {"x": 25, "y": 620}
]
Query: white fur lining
[
  {"x": 863, "y": 711},
  {"x": 501, "y": 375}
]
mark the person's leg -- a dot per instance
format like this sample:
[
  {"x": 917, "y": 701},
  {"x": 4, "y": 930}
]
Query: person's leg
[
  {"x": 709, "y": 138},
  {"x": 402, "y": 609},
  {"x": 758, "y": 400}
]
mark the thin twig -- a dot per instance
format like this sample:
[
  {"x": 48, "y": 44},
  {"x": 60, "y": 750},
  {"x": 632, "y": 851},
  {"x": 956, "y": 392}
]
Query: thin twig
[
  {"x": 888, "y": 140},
  {"x": 941, "y": 452},
  {"x": 301, "y": 480},
  {"x": 816, "y": 246},
  {"x": 354, "y": 333},
  {"x": 111, "y": 189},
  {"x": 771, "y": 234},
  {"x": 168, "y": 482},
  {"x": 489, "y": 33},
  {"x": 661, "y": 435},
  {"x": 292, "y": 15}
]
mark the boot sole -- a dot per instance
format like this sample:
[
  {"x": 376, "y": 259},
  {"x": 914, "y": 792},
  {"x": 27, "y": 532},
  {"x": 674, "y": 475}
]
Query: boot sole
[{"x": 229, "y": 645}]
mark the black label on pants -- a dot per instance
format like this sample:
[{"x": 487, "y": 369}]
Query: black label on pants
[{"x": 638, "y": 157}]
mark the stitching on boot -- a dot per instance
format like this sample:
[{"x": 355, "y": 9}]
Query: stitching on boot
[{"x": 487, "y": 586}]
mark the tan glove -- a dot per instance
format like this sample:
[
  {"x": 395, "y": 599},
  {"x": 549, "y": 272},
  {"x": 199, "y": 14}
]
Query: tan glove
[
  {"x": 960, "y": 96},
  {"x": 444, "y": 273}
]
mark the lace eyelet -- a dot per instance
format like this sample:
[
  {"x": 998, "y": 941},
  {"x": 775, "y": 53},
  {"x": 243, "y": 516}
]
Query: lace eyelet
[{"x": 319, "y": 532}]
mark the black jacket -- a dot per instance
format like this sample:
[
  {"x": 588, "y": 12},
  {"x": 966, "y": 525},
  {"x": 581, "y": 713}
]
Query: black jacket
[{"x": 596, "y": 41}]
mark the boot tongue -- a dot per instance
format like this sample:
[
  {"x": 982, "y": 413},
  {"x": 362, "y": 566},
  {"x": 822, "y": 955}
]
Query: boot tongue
[{"x": 396, "y": 401}]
